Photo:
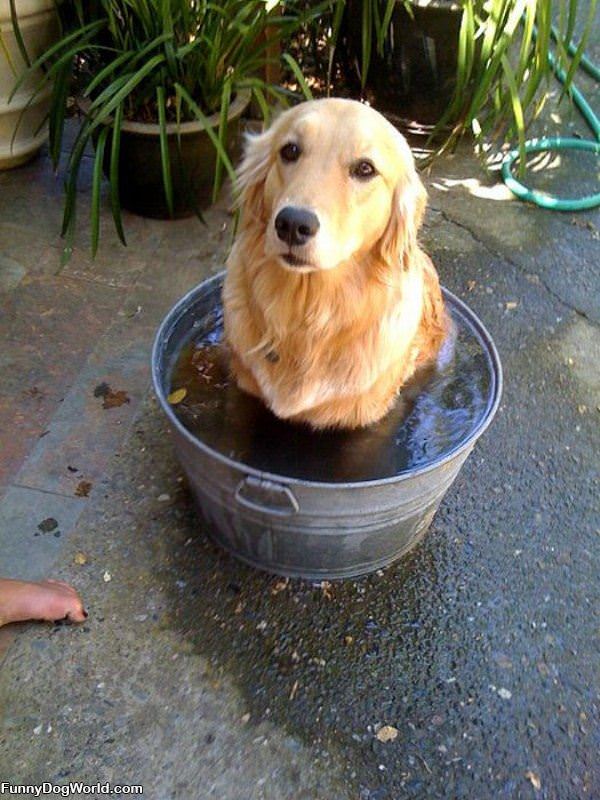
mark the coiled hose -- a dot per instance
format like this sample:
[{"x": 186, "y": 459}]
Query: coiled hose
[{"x": 559, "y": 143}]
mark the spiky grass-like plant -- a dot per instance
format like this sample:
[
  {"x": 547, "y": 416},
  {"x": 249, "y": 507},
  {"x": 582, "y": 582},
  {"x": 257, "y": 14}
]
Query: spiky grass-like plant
[
  {"x": 503, "y": 67},
  {"x": 160, "y": 61}
]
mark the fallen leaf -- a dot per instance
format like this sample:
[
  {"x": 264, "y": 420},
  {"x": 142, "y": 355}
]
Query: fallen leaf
[
  {"x": 35, "y": 392},
  {"x": 584, "y": 224},
  {"x": 80, "y": 559},
  {"x": 326, "y": 589},
  {"x": 177, "y": 396},
  {"x": 102, "y": 389},
  {"x": 471, "y": 285},
  {"x": 505, "y": 694},
  {"x": 511, "y": 305},
  {"x": 47, "y": 525},
  {"x": 107, "y": 577},
  {"x": 115, "y": 399},
  {"x": 83, "y": 488},
  {"x": 294, "y": 690},
  {"x": 133, "y": 312},
  {"x": 387, "y": 733},
  {"x": 503, "y": 661},
  {"x": 534, "y": 778}
]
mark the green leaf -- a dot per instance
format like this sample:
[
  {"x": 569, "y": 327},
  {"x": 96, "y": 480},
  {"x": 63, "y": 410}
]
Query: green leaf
[
  {"x": 6, "y": 53},
  {"x": 517, "y": 111},
  {"x": 115, "y": 148},
  {"x": 218, "y": 145},
  {"x": 69, "y": 214},
  {"x": 47, "y": 57},
  {"x": 225, "y": 101},
  {"x": 168, "y": 29},
  {"x": 293, "y": 65},
  {"x": 580, "y": 49},
  {"x": 165, "y": 158},
  {"x": 102, "y": 113},
  {"x": 14, "y": 18},
  {"x": 525, "y": 51},
  {"x": 58, "y": 109},
  {"x": 103, "y": 74},
  {"x": 366, "y": 40},
  {"x": 97, "y": 188},
  {"x": 384, "y": 24},
  {"x": 571, "y": 20},
  {"x": 259, "y": 96},
  {"x": 336, "y": 23}
]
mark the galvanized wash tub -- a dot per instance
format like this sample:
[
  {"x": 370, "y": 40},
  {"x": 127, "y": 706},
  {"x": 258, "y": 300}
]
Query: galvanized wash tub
[{"x": 296, "y": 502}]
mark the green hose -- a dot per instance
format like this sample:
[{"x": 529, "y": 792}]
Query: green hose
[{"x": 559, "y": 143}]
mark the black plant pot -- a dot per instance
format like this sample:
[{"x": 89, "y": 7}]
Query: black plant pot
[
  {"x": 192, "y": 160},
  {"x": 414, "y": 80}
]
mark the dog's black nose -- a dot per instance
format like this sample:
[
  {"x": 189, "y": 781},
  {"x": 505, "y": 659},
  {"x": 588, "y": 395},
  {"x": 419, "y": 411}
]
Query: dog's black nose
[{"x": 296, "y": 225}]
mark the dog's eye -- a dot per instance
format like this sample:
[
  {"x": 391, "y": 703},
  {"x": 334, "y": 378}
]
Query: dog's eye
[
  {"x": 363, "y": 169},
  {"x": 290, "y": 152}
]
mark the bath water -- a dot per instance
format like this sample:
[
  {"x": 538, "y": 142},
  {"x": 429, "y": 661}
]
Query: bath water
[{"x": 432, "y": 416}]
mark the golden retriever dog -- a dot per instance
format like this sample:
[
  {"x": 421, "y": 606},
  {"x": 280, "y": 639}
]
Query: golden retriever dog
[{"x": 330, "y": 304}]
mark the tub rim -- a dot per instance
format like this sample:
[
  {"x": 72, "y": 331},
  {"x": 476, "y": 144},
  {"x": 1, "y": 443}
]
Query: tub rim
[{"x": 181, "y": 306}]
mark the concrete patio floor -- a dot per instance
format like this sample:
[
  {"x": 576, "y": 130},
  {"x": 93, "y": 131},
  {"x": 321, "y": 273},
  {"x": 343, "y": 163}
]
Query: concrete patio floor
[{"x": 201, "y": 678}]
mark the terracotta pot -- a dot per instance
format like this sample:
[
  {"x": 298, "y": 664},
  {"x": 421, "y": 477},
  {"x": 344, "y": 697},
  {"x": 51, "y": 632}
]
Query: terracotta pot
[
  {"x": 192, "y": 165},
  {"x": 39, "y": 28}
]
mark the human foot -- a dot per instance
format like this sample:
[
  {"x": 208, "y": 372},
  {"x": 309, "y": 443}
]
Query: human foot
[{"x": 44, "y": 600}]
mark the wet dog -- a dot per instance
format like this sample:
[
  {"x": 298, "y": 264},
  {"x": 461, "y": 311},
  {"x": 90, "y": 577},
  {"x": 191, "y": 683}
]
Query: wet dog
[{"x": 330, "y": 303}]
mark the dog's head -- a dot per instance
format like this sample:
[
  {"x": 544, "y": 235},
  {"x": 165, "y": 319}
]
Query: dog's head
[{"x": 330, "y": 181}]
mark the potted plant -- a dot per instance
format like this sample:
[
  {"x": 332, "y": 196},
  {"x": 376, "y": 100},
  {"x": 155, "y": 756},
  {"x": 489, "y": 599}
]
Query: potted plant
[
  {"x": 457, "y": 65},
  {"x": 161, "y": 86},
  {"x": 26, "y": 30},
  {"x": 403, "y": 57}
]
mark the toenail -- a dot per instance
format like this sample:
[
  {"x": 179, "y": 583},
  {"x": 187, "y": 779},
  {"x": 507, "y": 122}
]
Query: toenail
[{"x": 85, "y": 613}]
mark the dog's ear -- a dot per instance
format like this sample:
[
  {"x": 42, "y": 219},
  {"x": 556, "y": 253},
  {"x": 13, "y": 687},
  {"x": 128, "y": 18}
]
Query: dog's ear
[
  {"x": 251, "y": 176},
  {"x": 408, "y": 208}
]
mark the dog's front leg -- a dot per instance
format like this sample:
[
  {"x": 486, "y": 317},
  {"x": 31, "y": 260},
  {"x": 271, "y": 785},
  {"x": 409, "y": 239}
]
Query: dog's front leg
[
  {"x": 286, "y": 404},
  {"x": 244, "y": 377},
  {"x": 300, "y": 398}
]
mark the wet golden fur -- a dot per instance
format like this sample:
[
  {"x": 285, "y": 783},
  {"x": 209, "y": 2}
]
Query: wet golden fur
[{"x": 332, "y": 342}]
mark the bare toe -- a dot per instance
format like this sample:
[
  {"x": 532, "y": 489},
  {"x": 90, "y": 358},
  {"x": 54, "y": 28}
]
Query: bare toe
[{"x": 77, "y": 613}]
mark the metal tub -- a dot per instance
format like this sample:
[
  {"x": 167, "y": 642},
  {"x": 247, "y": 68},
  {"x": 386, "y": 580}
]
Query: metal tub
[{"x": 298, "y": 527}]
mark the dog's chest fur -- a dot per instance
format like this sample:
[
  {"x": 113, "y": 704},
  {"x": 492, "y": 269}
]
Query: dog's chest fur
[{"x": 309, "y": 338}]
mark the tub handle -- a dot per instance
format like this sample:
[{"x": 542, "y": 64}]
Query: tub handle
[{"x": 266, "y": 496}]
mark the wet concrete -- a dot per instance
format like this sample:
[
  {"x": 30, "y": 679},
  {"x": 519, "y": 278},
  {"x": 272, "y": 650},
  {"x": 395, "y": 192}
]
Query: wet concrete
[{"x": 200, "y": 677}]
